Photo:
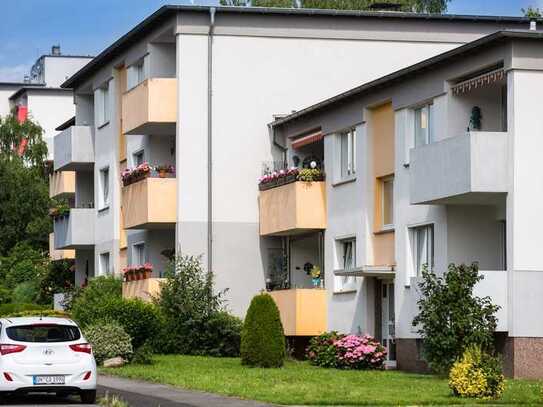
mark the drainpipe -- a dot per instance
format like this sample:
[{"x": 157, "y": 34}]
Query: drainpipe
[
  {"x": 210, "y": 139},
  {"x": 283, "y": 149}
]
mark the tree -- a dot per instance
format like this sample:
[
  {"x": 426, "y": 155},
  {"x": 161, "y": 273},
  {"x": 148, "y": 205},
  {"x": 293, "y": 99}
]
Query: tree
[
  {"x": 22, "y": 140},
  {"x": 262, "y": 336},
  {"x": 420, "y": 6},
  {"x": 532, "y": 12},
  {"x": 451, "y": 318}
]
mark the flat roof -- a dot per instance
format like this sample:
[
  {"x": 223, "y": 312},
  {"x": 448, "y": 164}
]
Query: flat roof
[
  {"x": 18, "y": 84},
  {"x": 40, "y": 88},
  {"x": 167, "y": 11},
  {"x": 411, "y": 70}
]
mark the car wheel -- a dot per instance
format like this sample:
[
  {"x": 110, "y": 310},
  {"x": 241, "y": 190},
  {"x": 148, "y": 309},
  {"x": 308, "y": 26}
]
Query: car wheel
[{"x": 88, "y": 396}]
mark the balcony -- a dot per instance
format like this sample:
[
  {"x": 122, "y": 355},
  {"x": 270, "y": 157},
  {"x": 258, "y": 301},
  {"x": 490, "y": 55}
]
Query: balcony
[
  {"x": 55, "y": 255},
  {"x": 74, "y": 149},
  {"x": 75, "y": 230},
  {"x": 143, "y": 289},
  {"x": 295, "y": 208},
  {"x": 151, "y": 107},
  {"x": 62, "y": 184},
  {"x": 467, "y": 169},
  {"x": 303, "y": 311},
  {"x": 150, "y": 204}
]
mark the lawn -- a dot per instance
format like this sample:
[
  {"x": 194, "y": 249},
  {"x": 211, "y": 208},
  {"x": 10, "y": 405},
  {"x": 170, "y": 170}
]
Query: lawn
[{"x": 300, "y": 383}]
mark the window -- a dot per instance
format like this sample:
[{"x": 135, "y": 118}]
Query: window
[
  {"x": 102, "y": 105},
  {"x": 135, "y": 74},
  {"x": 138, "y": 157},
  {"x": 347, "y": 159},
  {"x": 104, "y": 188},
  {"x": 346, "y": 260},
  {"x": 387, "y": 202},
  {"x": 138, "y": 254},
  {"x": 422, "y": 246},
  {"x": 40, "y": 333},
  {"x": 424, "y": 125},
  {"x": 104, "y": 264}
]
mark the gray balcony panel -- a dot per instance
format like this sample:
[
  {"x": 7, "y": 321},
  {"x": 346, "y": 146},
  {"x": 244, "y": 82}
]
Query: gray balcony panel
[
  {"x": 74, "y": 149},
  {"x": 467, "y": 169},
  {"x": 75, "y": 230}
]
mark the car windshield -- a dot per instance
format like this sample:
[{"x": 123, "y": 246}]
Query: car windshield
[{"x": 43, "y": 333}]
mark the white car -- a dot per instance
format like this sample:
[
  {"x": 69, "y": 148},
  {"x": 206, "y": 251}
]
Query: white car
[{"x": 46, "y": 355}]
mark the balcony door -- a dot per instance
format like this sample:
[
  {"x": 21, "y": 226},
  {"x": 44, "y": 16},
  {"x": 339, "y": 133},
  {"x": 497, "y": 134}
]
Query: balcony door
[{"x": 388, "y": 319}]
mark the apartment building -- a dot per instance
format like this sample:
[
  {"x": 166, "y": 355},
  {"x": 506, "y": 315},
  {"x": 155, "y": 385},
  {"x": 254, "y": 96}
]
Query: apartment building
[
  {"x": 189, "y": 88},
  {"x": 40, "y": 97},
  {"x": 434, "y": 164}
]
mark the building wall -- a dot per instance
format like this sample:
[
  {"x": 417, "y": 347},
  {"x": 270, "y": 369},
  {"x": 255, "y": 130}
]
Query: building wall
[
  {"x": 6, "y": 90},
  {"x": 58, "y": 69}
]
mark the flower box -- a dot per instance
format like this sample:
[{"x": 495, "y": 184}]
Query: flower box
[
  {"x": 144, "y": 170},
  {"x": 138, "y": 272}
]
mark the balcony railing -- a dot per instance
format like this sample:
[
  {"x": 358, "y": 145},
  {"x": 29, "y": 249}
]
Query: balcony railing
[
  {"x": 75, "y": 230},
  {"x": 62, "y": 184},
  {"x": 467, "y": 169},
  {"x": 150, "y": 203},
  {"x": 74, "y": 149},
  {"x": 303, "y": 311},
  {"x": 151, "y": 107}
]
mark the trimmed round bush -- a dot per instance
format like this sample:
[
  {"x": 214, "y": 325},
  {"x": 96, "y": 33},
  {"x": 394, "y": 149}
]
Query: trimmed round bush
[
  {"x": 262, "y": 336},
  {"x": 477, "y": 375},
  {"x": 322, "y": 351},
  {"x": 109, "y": 340}
]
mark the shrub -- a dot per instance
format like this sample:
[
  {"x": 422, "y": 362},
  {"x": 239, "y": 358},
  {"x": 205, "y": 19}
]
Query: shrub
[
  {"x": 262, "y": 337},
  {"x": 191, "y": 314},
  {"x": 451, "y": 318},
  {"x": 42, "y": 313},
  {"x": 360, "y": 352},
  {"x": 143, "y": 355},
  {"x": 139, "y": 319},
  {"x": 26, "y": 292},
  {"x": 108, "y": 340},
  {"x": 12, "y": 308},
  {"x": 82, "y": 301},
  {"x": 322, "y": 351},
  {"x": 112, "y": 401},
  {"x": 477, "y": 374}
]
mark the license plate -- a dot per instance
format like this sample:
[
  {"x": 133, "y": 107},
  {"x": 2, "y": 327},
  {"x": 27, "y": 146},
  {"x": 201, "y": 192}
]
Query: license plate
[{"x": 48, "y": 380}]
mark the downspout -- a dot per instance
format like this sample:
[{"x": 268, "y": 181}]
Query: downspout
[{"x": 210, "y": 139}]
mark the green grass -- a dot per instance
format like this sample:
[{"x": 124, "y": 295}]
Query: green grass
[{"x": 300, "y": 383}]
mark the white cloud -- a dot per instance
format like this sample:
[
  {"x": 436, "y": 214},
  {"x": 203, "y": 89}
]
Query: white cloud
[{"x": 14, "y": 73}]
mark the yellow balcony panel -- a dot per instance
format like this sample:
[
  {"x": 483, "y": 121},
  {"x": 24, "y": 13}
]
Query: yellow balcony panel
[
  {"x": 150, "y": 107},
  {"x": 150, "y": 204},
  {"x": 294, "y": 208},
  {"x": 62, "y": 184},
  {"x": 303, "y": 311},
  {"x": 142, "y": 289},
  {"x": 55, "y": 255}
]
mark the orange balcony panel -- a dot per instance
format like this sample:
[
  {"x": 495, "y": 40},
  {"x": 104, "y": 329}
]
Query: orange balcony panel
[
  {"x": 150, "y": 204},
  {"x": 55, "y": 255},
  {"x": 294, "y": 208},
  {"x": 303, "y": 311},
  {"x": 150, "y": 107},
  {"x": 145, "y": 290},
  {"x": 62, "y": 184}
]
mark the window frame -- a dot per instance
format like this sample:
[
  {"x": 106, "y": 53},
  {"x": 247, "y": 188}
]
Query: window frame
[
  {"x": 345, "y": 284},
  {"x": 430, "y": 113},
  {"x": 102, "y": 104},
  {"x": 417, "y": 263},
  {"x": 383, "y": 181},
  {"x": 107, "y": 271},
  {"x": 136, "y": 154},
  {"x": 346, "y": 160},
  {"x": 104, "y": 188},
  {"x": 136, "y": 246}
]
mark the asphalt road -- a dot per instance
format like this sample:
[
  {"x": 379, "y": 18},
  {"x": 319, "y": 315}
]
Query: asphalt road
[{"x": 133, "y": 400}]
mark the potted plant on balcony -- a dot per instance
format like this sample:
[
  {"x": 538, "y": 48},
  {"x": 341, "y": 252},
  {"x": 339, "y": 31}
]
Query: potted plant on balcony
[
  {"x": 147, "y": 270},
  {"x": 316, "y": 276},
  {"x": 164, "y": 170}
]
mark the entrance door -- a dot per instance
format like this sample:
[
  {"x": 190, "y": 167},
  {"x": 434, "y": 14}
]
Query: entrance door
[{"x": 388, "y": 319}]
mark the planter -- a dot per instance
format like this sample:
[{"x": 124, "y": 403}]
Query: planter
[
  {"x": 316, "y": 282},
  {"x": 147, "y": 274}
]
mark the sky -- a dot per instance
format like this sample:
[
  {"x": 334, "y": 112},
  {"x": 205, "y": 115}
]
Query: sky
[{"x": 28, "y": 28}]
